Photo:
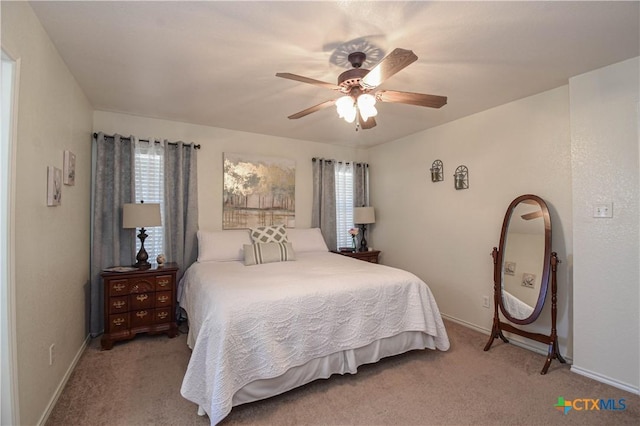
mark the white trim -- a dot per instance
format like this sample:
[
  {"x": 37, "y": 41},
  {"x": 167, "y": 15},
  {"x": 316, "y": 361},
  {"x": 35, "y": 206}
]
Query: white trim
[
  {"x": 466, "y": 324},
  {"x": 574, "y": 369},
  {"x": 12, "y": 354},
  {"x": 605, "y": 379},
  {"x": 63, "y": 382},
  {"x": 513, "y": 338}
]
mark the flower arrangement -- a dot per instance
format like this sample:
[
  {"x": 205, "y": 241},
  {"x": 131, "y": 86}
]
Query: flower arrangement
[{"x": 354, "y": 233}]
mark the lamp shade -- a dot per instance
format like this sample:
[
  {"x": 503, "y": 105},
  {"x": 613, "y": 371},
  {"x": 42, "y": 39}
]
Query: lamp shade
[
  {"x": 364, "y": 215},
  {"x": 141, "y": 215}
]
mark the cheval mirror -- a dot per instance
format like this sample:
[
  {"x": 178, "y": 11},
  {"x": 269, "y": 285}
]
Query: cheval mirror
[{"x": 522, "y": 267}]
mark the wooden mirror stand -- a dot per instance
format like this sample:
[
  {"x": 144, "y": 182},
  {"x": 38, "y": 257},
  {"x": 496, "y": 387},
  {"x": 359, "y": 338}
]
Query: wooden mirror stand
[{"x": 499, "y": 326}]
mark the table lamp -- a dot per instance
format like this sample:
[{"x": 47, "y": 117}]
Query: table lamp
[
  {"x": 140, "y": 216},
  {"x": 363, "y": 216}
]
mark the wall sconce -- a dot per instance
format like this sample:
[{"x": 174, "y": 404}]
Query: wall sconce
[
  {"x": 437, "y": 170},
  {"x": 461, "y": 177}
]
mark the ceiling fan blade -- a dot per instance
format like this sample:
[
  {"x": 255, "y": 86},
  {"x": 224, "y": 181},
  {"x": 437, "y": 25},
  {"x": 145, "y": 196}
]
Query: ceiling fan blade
[
  {"x": 532, "y": 215},
  {"x": 369, "y": 124},
  {"x": 312, "y": 109},
  {"x": 388, "y": 66},
  {"x": 307, "y": 80},
  {"x": 419, "y": 99}
]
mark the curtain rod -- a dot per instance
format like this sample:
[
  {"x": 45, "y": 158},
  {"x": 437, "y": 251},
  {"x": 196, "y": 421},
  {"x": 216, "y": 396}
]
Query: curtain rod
[
  {"x": 314, "y": 159},
  {"x": 95, "y": 135}
]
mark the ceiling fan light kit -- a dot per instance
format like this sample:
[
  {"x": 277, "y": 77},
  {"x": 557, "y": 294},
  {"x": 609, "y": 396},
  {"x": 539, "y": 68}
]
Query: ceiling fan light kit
[{"x": 358, "y": 87}]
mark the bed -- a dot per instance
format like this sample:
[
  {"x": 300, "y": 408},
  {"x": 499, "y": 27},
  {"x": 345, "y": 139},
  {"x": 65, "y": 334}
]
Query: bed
[{"x": 258, "y": 331}]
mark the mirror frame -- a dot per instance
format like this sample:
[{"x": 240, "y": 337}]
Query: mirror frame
[{"x": 544, "y": 282}]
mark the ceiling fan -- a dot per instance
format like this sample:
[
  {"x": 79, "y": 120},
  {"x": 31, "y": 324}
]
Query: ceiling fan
[{"x": 358, "y": 86}]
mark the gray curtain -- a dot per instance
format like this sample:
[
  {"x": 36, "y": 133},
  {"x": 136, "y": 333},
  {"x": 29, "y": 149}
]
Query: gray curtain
[
  {"x": 113, "y": 186},
  {"x": 323, "y": 214},
  {"x": 181, "y": 204},
  {"x": 360, "y": 184}
]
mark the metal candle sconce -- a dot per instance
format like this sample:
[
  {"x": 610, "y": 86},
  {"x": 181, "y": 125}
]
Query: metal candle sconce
[
  {"x": 437, "y": 169},
  {"x": 461, "y": 177}
]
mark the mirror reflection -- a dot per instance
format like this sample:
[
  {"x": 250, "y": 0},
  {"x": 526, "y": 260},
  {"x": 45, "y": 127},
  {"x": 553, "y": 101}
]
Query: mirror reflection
[{"x": 523, "y": 260}]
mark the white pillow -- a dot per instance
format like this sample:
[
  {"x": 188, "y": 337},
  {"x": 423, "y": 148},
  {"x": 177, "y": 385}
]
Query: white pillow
[
  {"x": 306, "y": 239},
  {"x": 222, "y": 246}
]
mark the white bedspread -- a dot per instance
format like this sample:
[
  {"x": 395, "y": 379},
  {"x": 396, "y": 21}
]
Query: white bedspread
[
  {"x": 256, "y": 322},
  {"x": 516, "y": 307}
]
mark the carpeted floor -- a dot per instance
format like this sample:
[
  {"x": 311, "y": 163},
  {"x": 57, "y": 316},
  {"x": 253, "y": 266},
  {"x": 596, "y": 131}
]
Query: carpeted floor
[{"x": 138, "y": 383}]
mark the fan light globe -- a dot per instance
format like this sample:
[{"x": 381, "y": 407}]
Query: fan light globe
[
  {"x": 346, "y": 108},
  {"x": 366, "y": 106}
]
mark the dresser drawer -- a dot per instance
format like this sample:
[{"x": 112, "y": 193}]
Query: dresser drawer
[
  {"x": 118, "y": 304},
  {"x": 118, "y": 287},
  {"x": 162, "y": 315},
  {"x": 164, "y": 282},
  {"x": 163, "y": 298},
  {"x": 118, "y": 322},
  {"x": 141, "y": 317},
  {"x": 141, "y": 286},
  {"x": 141, "y": 300}
]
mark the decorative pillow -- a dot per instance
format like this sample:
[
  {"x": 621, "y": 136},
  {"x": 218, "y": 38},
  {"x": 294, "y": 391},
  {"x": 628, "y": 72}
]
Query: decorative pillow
[
  {"x": 269, "y": 234},
  {"x": 258, "y": 253},
  {"x": 306, "y": 239},
  {"x": 222, "y": 246}
]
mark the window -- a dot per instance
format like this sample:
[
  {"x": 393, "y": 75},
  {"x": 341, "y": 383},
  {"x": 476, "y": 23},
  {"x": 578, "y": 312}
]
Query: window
[
  {"x": 344, "y": 203},
  {"x": 149, "y": 186}
]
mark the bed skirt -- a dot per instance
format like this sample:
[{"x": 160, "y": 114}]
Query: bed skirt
[{"x": 336, "y": 363}]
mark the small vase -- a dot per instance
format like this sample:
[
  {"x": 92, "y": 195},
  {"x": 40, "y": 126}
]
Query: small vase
[{"x": 353, "y": 243}]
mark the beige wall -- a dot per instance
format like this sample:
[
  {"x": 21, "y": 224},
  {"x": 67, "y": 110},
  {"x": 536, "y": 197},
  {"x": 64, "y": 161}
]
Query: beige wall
[
  {"x": 214, "y": 142},
  {"x": 604, "y": 142},
  {"x": 51, "y": 250},
  {"x": 445, "y": 236}
]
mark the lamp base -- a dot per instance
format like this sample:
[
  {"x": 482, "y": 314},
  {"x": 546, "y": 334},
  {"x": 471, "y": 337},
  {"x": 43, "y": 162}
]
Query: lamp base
[
  {"x": 363, "y": 240},
  {"x": 142, "y": 257}
]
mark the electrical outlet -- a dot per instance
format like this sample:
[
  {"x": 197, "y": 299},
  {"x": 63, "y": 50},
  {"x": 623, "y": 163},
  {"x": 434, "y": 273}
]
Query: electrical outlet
[
  {"x": 52, "y": 353},
  {"x": 485, "y": 301},
  {"x": 603, "y": 210}
]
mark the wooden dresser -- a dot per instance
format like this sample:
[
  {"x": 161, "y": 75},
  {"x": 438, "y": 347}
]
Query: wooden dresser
[
  {"x": 367, "y": 256},
  {"x": 140, "y": 301}
]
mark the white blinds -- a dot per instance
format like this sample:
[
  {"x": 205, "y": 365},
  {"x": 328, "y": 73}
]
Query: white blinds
[
  {"x": 344, "y": 203},
  {"x": 149, "y": 186}
]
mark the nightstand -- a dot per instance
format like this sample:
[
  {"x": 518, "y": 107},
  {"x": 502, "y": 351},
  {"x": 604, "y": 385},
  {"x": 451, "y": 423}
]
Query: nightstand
[
  {"x": 140, "y": 301},
  {"x": 367, "y": 256}
]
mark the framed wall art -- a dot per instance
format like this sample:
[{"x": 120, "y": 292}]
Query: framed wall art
[
  {"x": 54, "y": 186},
  {"x": 258, "y": 191},
  {"x": 69, "y": 168}
]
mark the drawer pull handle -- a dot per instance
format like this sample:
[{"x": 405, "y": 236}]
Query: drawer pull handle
[
  {"x": 163, "y": 315},
  {"x": 142, "y": 297},
  {"x": 163, "y": 299},
  {"x": 142, "y": 314},
  {"x": 118, "y": 287},
  {"x": 118, "y": 322},
  {"x": 163, "y": 283},
  {"x": 119, "y": 304}
]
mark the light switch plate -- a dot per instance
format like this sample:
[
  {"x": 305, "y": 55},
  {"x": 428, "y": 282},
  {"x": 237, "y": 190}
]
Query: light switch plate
[{"x": 603, "y": 210}]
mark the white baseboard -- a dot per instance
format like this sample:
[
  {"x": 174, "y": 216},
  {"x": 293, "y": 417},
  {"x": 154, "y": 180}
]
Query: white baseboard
[
  {"x": 513, "y": 338},
  {"x": 604, "y": 379},
  {"x": 63, "y": 382}
]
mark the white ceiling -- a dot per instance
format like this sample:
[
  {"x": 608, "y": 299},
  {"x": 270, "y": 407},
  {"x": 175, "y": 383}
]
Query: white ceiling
[{"x": 214, "y": 63}]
